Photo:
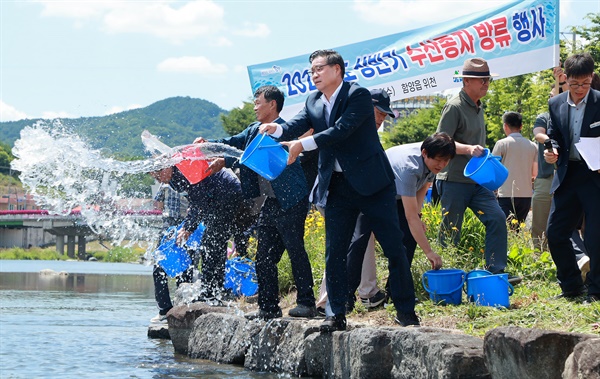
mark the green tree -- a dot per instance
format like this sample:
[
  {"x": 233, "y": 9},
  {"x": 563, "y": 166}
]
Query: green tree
[
  {"x": 415, "y": 127},
  {"x": 526, "y": 94},
  {"x": 138, "y": 185},
  {"x": 238, "y": 119},
  {"x": 590, "y": 35},
  {"x": 5, "y": 158}
]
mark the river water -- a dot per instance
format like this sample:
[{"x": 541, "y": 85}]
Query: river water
[{"x": 91, "y": 323}]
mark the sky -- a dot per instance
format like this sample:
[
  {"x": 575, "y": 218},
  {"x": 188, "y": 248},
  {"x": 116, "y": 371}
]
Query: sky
[{"x": 82, "y": 58}]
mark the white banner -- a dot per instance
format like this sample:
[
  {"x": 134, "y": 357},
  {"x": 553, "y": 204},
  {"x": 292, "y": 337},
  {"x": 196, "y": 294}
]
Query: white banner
[{"x": 517, "y": 38}]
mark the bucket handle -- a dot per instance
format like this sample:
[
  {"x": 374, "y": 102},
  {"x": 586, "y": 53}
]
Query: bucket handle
[
  {"x": 511, "y": 289},
  {"x": 245, "y": 274},
  {"x": 467, "y": 278},
  {"x": 462, "y": 283}
]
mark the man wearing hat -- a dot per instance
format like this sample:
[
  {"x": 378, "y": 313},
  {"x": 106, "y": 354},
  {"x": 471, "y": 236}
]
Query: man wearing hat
[{"x": 462, "y": 119}]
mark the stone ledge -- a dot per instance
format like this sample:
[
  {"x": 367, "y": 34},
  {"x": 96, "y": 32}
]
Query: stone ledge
[
  {"x": 295, "y": 347},
  {"x": 512, "y": 352}
]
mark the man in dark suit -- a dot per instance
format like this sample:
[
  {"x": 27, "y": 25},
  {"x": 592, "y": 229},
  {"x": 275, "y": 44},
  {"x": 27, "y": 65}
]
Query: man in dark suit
[
  {"x": 354, "y": 176},
  {"x": 214, "y": 201},
  {"x": 574, "y": 114},
  {"x": 281, "y": 221}
]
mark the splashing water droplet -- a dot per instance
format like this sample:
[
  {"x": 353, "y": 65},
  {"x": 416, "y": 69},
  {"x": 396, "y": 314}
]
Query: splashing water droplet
[{"x": 65, "y": 175}]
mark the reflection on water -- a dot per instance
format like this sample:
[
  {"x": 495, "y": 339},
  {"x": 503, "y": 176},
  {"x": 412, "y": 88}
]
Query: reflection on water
[{"x": 88, "y": 325}]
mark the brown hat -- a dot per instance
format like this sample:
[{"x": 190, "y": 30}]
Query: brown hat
[{"x": 475, "y": 68}]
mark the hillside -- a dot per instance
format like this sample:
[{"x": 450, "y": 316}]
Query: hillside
[{"x": 176, "y": 120}]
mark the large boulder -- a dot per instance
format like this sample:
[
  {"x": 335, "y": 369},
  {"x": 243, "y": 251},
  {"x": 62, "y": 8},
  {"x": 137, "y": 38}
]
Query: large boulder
[
  {"x": 280, "y": 346},
  {"x": 222, "y": 338},
  {"x": 360, "y": 353},
  {"x": 584, "y": 362},
  {"x": 436, "y": 353},
  {"x": 512, "y": 352},
  {"x": 181, "y": 322}
]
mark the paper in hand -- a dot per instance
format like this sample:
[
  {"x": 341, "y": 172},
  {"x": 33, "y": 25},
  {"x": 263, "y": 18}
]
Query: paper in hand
[{"x": 589, "y": 149}]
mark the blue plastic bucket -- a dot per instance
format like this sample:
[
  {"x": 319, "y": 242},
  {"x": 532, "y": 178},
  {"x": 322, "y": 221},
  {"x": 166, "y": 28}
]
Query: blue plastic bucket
[
  {"x": 444, "y": 286},
  {"x": 265, "y": 156},
  {"x": 474, "y": 274},
  {"x": 194, "y": 241},
  {"x": 428, "y": 195},
  {"x": 173, "y": 258},
  {"x": 486, "y": 170},
  {"x": 491, "y": 290},
  {"x": 240, "y": 276}
]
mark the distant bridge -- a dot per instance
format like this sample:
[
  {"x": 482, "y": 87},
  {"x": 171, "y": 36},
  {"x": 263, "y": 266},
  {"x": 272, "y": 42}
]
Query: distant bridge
[{"x": 25, "y": 228}]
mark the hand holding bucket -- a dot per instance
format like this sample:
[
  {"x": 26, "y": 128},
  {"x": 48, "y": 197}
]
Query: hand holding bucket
[
  {"x": 193, "y": 164},
  {"x": 265, "y": 156},
  {"x": 173, "y": 258},
  {"x": 486, "y": 170}
]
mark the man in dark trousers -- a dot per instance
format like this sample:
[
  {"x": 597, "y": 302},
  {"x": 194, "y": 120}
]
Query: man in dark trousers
[
  {"x": 574, "y": 114},
  {"x": 214, "y": 201},
  {"x": 169, "y": 202},
  {"x": 354, "y": 176},
  {"x": 281, "y": 220}
]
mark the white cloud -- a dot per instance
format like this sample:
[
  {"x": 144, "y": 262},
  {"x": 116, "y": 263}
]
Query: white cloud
[
  {"x": 198, "y": 65},
  {"x": 253, "y": 30},
  {"x": 222, "y": 42},
  {"x": 412, "y": 14},
  {"x": 162, "y": 18},
  {"x": 117, "y": 109},
  {"x": 9, "y": 113}
]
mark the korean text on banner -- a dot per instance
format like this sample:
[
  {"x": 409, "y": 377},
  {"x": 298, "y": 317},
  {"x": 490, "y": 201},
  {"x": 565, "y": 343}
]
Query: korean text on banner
[{"x": 516, "y": 38}]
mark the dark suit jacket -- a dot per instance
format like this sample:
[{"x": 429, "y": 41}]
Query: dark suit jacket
[
  {"x": 558, "y": 130},
  {"x": 289, "y": 188},
  {"x": 350, "y": 137}
]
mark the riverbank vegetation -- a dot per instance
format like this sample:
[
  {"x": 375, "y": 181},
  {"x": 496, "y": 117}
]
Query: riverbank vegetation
[
  {"x": 533, "y": 304},
  {"x": 94, "y": 250}
]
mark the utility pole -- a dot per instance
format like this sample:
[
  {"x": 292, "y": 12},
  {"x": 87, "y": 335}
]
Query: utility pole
[{"x": 574, "y": 40}]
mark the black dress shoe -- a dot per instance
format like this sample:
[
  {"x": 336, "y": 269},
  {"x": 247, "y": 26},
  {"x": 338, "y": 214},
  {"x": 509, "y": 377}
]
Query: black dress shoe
[
  {"x": 263, "y": 315},
  {"x": 572, "y": 294},
  {"x": 407, "y": 319},
  {"x": 303, "y": 311},
  {"x": 333, "y": 323}
]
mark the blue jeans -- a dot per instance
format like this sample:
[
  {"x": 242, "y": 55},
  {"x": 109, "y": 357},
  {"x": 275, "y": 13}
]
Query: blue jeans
[{"x": 455, "y": 198}]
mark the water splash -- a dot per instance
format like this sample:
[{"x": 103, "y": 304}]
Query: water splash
[{"x": 64, "y": 174}]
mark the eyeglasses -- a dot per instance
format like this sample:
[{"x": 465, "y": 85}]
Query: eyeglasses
[
  {"x": 317, "y": 69},
  {"x": 577, "y": 85},
  {"x": 486, "y": 80}
]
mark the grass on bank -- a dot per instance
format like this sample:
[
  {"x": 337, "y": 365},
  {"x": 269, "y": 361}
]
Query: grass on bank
[
  {"x": 532, "y": 304},
  {"x": 93, "y": 249}
]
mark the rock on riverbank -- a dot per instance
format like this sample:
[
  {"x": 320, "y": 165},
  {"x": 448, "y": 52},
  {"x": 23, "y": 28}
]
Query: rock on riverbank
[{"x": 295, "y": 347}]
